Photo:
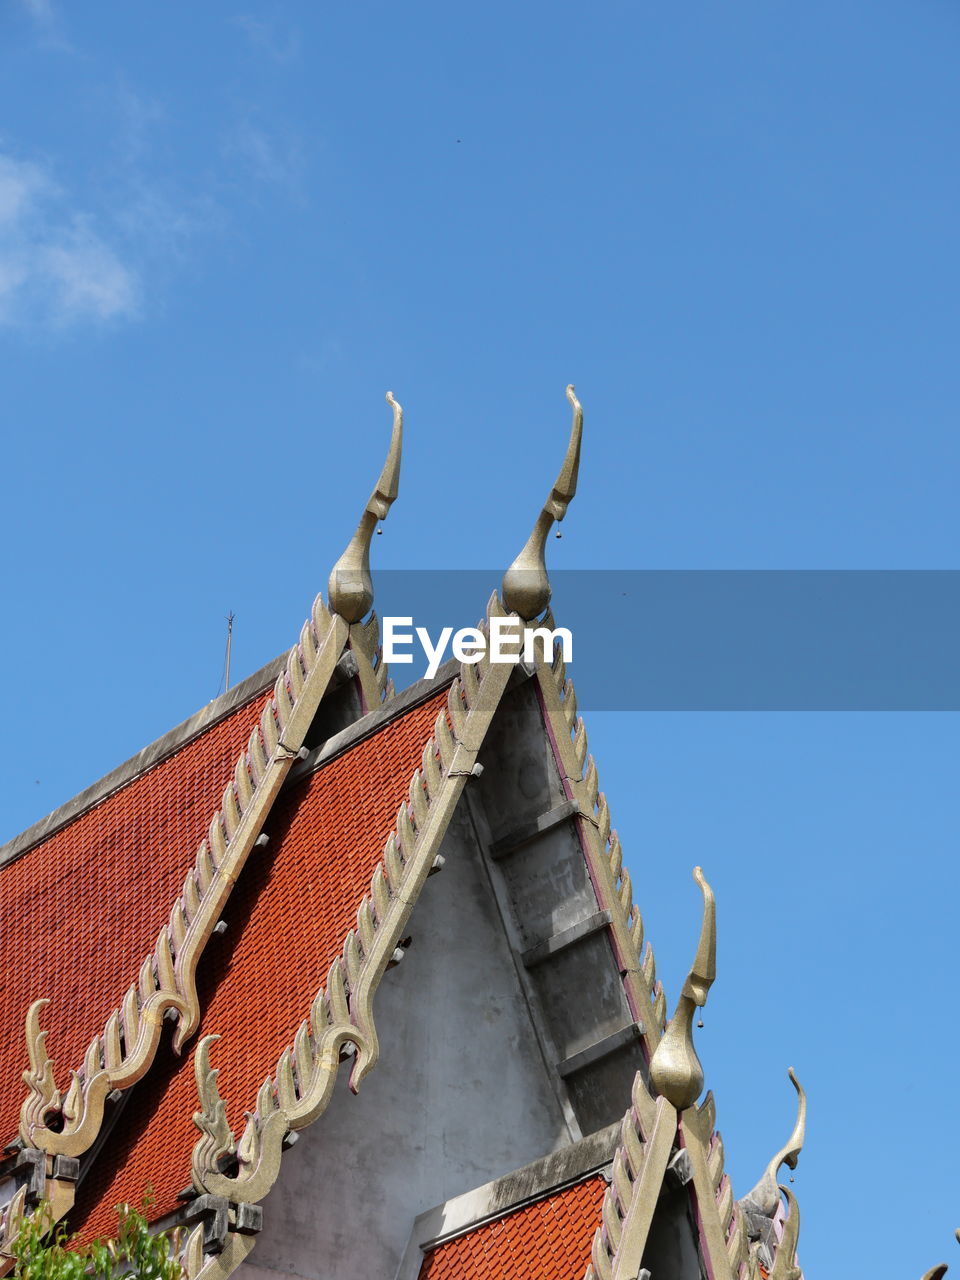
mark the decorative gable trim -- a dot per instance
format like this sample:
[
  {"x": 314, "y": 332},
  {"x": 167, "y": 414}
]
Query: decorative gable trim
[
  {"x": 341, "y": 1024},
  {"x": 121, "y": 1054},
  {"x": 601, "y": 847},
  {"x": 670, "y": 1135}
]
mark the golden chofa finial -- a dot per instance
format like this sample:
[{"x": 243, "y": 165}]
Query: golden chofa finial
[
  {"x": 765, "y": 1196},
  {"x": 350, "y": 589},
  {"x": 675, "y": 1070},
  {"x": 526, "y": 586}
]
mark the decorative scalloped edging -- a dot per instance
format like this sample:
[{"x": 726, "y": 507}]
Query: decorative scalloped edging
[
  {"x": 638, "y": 1169},
  {"x": 602, "y": 850},
  {"x": 635, "y": 1178},
  {"x": 721, "y": 1237},
  {"x": 167, "y": 977},
  {"x": 10, "y": 1223},
  {"x": 340, "y": 1020},
  {"x": 646, "y": 1139},
  {"x": 376, "y": 687},
  {"x": 636, "y": 1175},
  {"x": 341, "y": 1015},
  {"x": 122, "y": 1053}
]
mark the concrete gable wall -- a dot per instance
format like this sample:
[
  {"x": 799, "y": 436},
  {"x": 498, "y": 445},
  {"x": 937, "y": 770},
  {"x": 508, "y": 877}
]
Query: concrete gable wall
[
  {"x": 505, "y": 1032},
  {"x": 461, "y": 1094},
  {"x": 529, "y": 831}
]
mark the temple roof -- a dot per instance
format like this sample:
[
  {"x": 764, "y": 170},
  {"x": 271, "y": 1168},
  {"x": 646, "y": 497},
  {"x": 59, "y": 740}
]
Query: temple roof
[
  {"x": 81, "y": 907},
  {"x": 286, "y": 922},
  {"x": 250, "y": 878},
  {"x": 548, "y": 1239}
]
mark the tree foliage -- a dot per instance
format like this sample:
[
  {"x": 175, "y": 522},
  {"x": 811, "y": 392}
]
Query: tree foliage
[{"x": 134, "y": 1252}]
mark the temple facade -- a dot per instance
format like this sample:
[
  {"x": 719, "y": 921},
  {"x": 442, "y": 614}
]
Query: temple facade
[{"x": 352, "y": 983}]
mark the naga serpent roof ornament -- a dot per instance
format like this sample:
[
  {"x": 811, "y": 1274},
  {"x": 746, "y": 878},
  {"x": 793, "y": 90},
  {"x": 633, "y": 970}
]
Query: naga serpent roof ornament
[
  {"x": 765, "y": 1196},
  {"x": 526, "y": 586},
  {"x": 675, "y": 1070},
  {"x": 350, "y": 588}
]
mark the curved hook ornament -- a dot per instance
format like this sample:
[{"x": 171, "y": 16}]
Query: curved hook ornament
[
  {"x": 44, "y": 1096},
  {"x": 675, "y": 1070},
  {"x": 939, "y": 1271},
  {"x": 785, "y": 1263},
  {"x": 350, "y": 587},
  {"x": 765, "y": 1196},
  {"x": 526, "y": 584}
]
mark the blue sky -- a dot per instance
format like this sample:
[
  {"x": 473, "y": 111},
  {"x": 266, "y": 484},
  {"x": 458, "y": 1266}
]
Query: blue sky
[{"x": 226, "y": 230}]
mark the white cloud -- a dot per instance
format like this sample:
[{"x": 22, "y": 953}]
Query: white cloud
[
  {"x": 56, "y": 269},
  {"x": 20, "y": 184},
  {"x": 86, "y": 276}
]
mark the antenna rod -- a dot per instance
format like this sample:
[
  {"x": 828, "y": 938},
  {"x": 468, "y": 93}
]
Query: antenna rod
[{"x": 226, "y": 665}]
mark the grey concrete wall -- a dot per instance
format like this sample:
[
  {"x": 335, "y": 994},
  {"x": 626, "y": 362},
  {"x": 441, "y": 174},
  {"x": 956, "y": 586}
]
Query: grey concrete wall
[
  {"x": 460, "y": 1096},
  {"x": 575, "y": 986},
  {"x": 672, "y": 1252}
]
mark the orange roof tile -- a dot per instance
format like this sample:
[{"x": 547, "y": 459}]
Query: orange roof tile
[
  {"x": 82, "y": 908},
  {"x": 547, "y": 1240},
  {"x": 287, "y": 920}
]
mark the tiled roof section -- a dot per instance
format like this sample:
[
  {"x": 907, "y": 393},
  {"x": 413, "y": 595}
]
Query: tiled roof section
[
  {"x": 81, "y": 910},
  {"x": 286, "y": 922},
  {"x": 549, "y": 1239}
]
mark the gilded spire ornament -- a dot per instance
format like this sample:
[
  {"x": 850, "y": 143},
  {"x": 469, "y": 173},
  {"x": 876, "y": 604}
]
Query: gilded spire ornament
[
  {"x": 526, "y": 585},
  {"x": 675, "y": 1070},
  {"x": 350, "y": 588},
  {"x": 765, "y": 1196}
]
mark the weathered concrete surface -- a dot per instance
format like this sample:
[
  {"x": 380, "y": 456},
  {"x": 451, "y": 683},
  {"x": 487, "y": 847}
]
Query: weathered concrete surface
[
  {"x": 574, "y": 983},
  {"x": 461, "y": 1095}
]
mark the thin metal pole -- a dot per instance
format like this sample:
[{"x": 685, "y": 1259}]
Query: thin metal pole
[{"x": 226, "y": 666}]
